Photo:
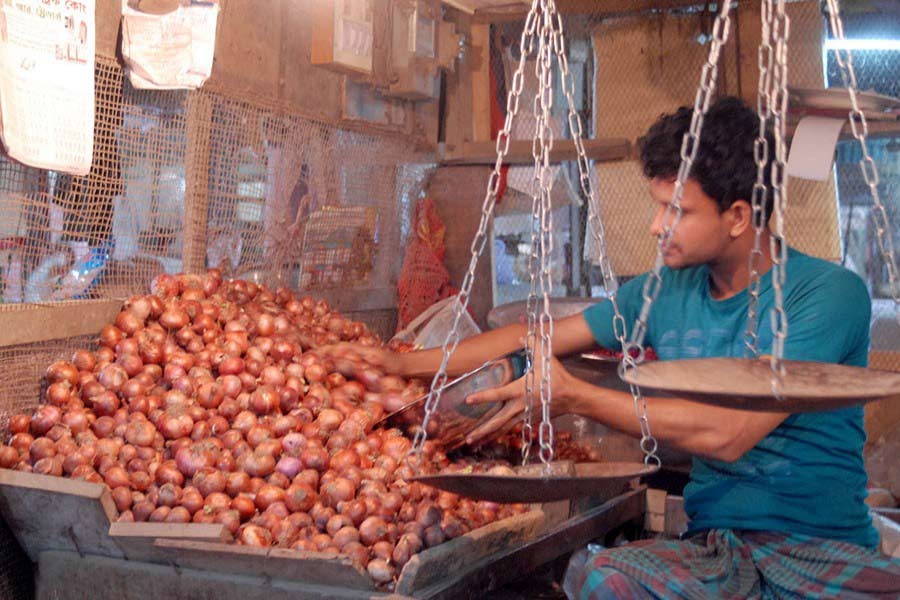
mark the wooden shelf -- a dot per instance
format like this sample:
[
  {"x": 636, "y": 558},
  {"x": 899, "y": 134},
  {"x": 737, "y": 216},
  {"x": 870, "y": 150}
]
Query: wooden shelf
[
  {"x": 31, "y": 323},
  {"x": 485, "y": 153}
]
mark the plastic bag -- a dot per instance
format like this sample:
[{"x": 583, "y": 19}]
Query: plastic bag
[{"x": 430, "y": 328}]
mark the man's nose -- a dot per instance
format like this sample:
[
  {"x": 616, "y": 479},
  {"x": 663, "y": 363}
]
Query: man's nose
[{"x": 656, "y": 227}]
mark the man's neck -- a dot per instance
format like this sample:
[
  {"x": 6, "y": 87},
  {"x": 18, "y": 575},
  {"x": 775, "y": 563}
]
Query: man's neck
[{"x": 731, "y": 274}]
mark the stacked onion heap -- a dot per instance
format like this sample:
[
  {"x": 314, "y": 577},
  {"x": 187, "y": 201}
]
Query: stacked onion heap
[{"x": 206, "y": 402}]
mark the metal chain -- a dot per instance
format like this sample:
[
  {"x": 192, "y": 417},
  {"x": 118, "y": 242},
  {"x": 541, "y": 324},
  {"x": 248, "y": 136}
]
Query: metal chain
[
  {"x": 526, "y": 47},
  {"x": 860, "y": 129},
  {"x": 634, "y": 352},
  {"x": 778, "y": 248},
  {"x": 760, "y": 190},
  {"x": 595, "y": 225},
  {"x": 542, "y": 184}
]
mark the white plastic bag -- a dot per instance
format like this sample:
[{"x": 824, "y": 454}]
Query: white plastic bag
[{"x": 430, "y": 329}]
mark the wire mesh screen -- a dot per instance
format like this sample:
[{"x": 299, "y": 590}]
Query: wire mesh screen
[
  {"x": 110, "y": 232},
  {"x": 876, "y": 70},
  {"x": 301, "y": 203}
]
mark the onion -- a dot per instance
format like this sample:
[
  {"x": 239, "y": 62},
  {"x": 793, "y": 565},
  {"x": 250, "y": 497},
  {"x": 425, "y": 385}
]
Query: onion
[
  {"x": 41, "y": 448},
  {"x": 244, "y": 506},
  {"x": 268, "y": 495},
  {"x": 337, "y": 491},
  {"x": 372, "y": 529},
  {"x": 84, "y": 360},
  {"x": 289, "y": 466},
  {"x": 174, "y": 318},
  {"x": 9, "y": 457},
  {"x": 19, "y": 423},
  {"x": 237, "y": 483},
  {"x": 380, "y": 570},
  {"x": 44, "y": 418},
  {"x": 257, "y": 464},
  {"x": 59, "y": 393}
]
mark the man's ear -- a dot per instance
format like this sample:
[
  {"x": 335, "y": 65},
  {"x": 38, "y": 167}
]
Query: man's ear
[{"x": 741, "y": 217}]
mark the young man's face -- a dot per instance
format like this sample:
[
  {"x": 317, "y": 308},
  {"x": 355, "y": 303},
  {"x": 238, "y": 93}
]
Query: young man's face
[{"x": 702, "y": 233}]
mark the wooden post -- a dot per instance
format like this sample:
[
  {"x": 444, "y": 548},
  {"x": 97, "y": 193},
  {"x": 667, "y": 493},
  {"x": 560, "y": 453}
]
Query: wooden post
[
  {"x": 480, "y": 47},
  {"x": 196, "y": 194}
]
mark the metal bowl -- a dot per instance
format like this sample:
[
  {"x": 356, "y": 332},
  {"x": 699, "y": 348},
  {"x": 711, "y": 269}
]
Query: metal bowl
[{"x": 453, "y": 419}]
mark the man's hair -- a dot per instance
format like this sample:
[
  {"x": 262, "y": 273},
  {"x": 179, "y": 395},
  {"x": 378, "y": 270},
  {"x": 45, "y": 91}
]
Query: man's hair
[{"x": 725, "y": 166}]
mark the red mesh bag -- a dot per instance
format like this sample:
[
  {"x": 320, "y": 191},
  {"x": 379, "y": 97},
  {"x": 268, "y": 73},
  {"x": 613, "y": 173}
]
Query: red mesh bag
[{"x": 424, "y": 279}]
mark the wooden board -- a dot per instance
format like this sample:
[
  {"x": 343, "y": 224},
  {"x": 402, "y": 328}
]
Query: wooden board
[
  {"x": 137, "y": 539},
  {"x": 480, "y": 48},
  {"x": 511, "y": 563},
  {"x": 65, "y": 575},
  {"x": 485, "y": 153},
  {"x": 309, "y": 567},
  {"x": 41, "y": 322},
  {"x": 429, "y": 566},
  {"x": 53, "y": 513}
]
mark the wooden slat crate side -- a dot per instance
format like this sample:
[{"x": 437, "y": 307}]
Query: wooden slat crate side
[
  {"x": 137, "y": 540},
  {"x": 311, "y": 567},
  {"x": 53, "y": 513},
  {"x": 427, "y": 567}
]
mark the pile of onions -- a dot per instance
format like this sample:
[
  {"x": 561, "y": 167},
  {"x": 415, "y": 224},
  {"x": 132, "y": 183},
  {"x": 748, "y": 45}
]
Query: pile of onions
[{"x": 206, "y": 402}]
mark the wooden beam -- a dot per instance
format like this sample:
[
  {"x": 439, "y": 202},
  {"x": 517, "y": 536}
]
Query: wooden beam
[
  {"x": 601, "y": 9},
  {"x": 40, "y": 323},
  {"x": 480, "y": 47},
  {"x": 485, "y": 153},
  {"x": 196, "y": 197}
]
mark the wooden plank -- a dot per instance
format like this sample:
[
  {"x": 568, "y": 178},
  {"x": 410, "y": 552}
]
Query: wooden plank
[
  {"x": 65, "y": 575},
  {"x": 655, "y": 516},
  {"x": 430, "y": 566},
  {"x": 747, "y": 35},
  {"x": 30, "y": 323},
  {"x": 311, "y": 567},
  {"x": 480, "y": 49},
  {"x": 485, "y": 153},
  {"x": 54, "y": 513},
  {"x": 472, "y": 6},
  {"x": 196, "y": 197},
  {"x": 108, "y": 15},
  {"x": 137, "y": 539},
  {"x": 676, "y": 518},
  {"x": 599, "y": 9},
  {"x": 510, "y": 564}
]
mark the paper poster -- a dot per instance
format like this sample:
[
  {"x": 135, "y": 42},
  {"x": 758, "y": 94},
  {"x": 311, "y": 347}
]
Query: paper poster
[
  {"x": 169, "y": 51},
  {"x": 47, "y": 83}
]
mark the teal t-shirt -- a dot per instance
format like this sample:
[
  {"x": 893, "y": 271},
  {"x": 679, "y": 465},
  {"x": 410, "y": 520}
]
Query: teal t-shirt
[{"x": 807, "y": 476}]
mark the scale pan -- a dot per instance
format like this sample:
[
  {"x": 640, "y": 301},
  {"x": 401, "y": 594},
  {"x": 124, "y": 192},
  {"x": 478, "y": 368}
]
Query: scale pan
[
  {"x": 529, "y": 484},
  {"x": 747, "y": 383}
]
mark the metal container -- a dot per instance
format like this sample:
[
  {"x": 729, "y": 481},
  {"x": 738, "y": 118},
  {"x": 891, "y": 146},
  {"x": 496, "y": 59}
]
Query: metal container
[{"x": 453, "y": 419}]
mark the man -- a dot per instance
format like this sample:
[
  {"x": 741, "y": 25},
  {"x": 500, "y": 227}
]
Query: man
[{"x": 776, "y": 501}]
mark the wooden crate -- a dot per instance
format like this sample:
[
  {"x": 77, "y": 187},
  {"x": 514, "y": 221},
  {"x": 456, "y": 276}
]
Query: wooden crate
[
  {"x": 70, "y": 522},
  {"x": 489, "y": 558}
]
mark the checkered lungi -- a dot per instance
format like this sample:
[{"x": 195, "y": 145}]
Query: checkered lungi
[{"x": 722, "y": 563}]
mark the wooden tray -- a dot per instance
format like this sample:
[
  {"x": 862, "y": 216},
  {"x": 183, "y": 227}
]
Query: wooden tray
[{"x": 747, "y": 384}]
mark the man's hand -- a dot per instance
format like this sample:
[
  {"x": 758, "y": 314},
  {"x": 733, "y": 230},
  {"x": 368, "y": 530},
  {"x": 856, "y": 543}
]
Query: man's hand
[
  {"x": 513, "y": 394},
  {"x": 383, "y": 359}
]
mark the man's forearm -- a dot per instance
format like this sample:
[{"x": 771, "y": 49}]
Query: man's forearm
[
  {"x": 703, "y": 430},
  {"x": 470, "y": 354},
  {"x": 570, "y": 334}
]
